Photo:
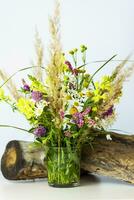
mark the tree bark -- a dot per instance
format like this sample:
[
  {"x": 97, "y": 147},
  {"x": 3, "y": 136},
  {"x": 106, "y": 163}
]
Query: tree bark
[{"x": 113, "y": 158}]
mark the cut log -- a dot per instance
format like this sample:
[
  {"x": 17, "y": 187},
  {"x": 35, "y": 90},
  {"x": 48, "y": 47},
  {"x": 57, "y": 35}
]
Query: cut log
[
  {"x": 113, "y": 158},
  {"x": 20, "y": 162}
]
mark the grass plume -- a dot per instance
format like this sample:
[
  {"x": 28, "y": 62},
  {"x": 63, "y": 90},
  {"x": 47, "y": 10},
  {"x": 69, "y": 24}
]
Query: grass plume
[
  {"x": 39, "y": 54},
  {"x": 10, "y": 85},
  {"x": 55, "y": 66},
  {"x": 120, "y": 76}
]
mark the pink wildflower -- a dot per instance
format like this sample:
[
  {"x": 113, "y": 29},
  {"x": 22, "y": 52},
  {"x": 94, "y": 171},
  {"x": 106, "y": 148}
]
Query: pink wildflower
[
  {"x": 62, "y": 114},
  {"x": 86, "y": 111},
  {"x": 75, "y": 72},
  {"x": 69, "y": 65},
  {"x": 92, "y": 122}
]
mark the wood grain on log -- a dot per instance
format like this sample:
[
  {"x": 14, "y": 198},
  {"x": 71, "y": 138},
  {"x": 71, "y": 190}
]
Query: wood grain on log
[{"x": 113, "y": 158}]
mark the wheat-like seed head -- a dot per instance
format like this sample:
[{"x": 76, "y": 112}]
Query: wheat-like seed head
[
  {"x": 116, "y": 89},
  {"x": 40, "y": 53},
  {"x": 55, "y": 67},
  {"x": 10, "y": 85}
]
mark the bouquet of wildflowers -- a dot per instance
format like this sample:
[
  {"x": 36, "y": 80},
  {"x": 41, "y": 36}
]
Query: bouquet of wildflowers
[{"x": 65, "y": 108}]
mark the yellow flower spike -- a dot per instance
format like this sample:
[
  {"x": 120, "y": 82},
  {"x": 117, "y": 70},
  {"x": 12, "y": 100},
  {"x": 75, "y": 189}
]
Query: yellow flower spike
[
  {"x": 26, "y": 107},
  {"x": 94, "y": 109},
  {"x": 96, "y": 92},
  {"x": 76, "y": 103},
  {"x": 96, "y": 85},
  {"x": 105, "y": 86},
  {"x": 97, "y": 98},
  {"x": 73, "y": 110}
]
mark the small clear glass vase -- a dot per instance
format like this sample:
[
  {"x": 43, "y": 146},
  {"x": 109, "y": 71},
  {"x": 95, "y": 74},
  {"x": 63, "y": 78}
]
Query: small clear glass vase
[{"x": 63, "y": 165}]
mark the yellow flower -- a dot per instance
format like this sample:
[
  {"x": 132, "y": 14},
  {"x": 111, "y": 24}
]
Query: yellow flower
[
  {"x": 76, "y": 103},
  {"x": 26, "y": 107},
  {"x": 89, "y": 94},
  {"x": 2, "y": 95},
  {"x": 85, "y": 84},
  {"x": 94, "y": 109},
  {"x": 97, "y": 98},
  {"x": 81, "y": 94},
  {"x": 38, "y": 87},
  {"x": 104, "y": 96},
  {"x": 68, "y": 97},
  {"x": 96, "y": 85},
  {"x": 73, "y": 110}
]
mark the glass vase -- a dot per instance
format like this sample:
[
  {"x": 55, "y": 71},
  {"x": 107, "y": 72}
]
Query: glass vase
[{"x": 63, "y": 165}]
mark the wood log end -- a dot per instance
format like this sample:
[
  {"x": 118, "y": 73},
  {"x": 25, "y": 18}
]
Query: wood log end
[{"x": 12, "y": 160}]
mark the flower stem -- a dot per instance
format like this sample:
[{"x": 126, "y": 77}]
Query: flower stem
[{"x": 15, "y": 127}]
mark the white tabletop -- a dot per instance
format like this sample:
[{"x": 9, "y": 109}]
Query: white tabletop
[{"x": 92, "y": 187}]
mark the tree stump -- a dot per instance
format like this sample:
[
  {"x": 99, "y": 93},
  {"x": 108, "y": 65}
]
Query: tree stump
[{"x": 113, "y": 158}]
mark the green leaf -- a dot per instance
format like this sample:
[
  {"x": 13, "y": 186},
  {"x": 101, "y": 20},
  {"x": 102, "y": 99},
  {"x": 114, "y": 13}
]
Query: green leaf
[
  {"x": 9, "y": 126},
  {"x": 82, "y": 66},
  {"x": 90, "y": 80},
  {"x": 68, "y": 116}
]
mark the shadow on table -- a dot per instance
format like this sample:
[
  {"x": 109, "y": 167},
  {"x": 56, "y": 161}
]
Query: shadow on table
[{"x": 91, "y": 179}]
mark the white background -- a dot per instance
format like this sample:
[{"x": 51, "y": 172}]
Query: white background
[{"x": 106, "y": 27}]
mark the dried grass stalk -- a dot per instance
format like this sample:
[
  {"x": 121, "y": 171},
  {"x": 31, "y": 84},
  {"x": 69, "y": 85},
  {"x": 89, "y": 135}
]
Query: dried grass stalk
[
  {"x": 40, "y": 53},
  {"x": 10, "y": 85},
  {"x": 116, "y": 89},
  {"x": 55, "y": 67}
]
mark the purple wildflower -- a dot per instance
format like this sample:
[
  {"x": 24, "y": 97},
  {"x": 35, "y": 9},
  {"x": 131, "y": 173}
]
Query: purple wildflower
[
  {"x": 69, "y": 65},
  {"x": 80, "y": 123},
  {"x": 40, "y": 131},
  {"x": 108, "y": 113},
  {"x": 37, "y": 96},
  {"x": 74, "y": 71},
  {"x": 26, "y": 87},
  {"x": 78, "y": 119},
  {"x": 67, "y": 133}
]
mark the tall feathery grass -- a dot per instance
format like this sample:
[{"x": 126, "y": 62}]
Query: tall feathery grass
[
  {"x": 119, "y": 76},
  {"x": 10, "y": 85},
  {"x": 55, "y": 67},
  {"x": 39, "y": 49}
]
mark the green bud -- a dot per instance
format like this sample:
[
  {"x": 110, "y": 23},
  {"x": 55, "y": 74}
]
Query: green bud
[
  {"x": 71, "y": 52},
  {"x": 82, "y": 46},
  {"x": 87, "y": 75},
  {"x": 82, "y": 50},
  {"x": 75, "y": 50}
]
